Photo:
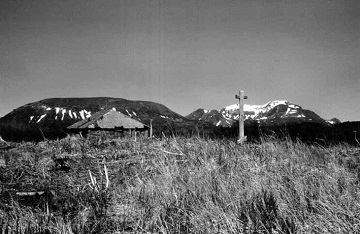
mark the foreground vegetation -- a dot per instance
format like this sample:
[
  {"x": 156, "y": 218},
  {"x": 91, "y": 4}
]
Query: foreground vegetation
[{"x": 179, "y": 185}]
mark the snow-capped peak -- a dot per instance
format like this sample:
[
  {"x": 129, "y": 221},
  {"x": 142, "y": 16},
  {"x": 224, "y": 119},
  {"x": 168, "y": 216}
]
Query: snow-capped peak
[
  {"x": 272, "y": 104},
  {"x": 249, "y": 107},
  {"x": 232, "y": 107},
  {"x": 278, "y": 109},
  {"x": 232, "y": 111}
]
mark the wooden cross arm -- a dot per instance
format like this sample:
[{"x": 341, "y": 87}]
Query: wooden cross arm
[{"x": 238, "y": 97}]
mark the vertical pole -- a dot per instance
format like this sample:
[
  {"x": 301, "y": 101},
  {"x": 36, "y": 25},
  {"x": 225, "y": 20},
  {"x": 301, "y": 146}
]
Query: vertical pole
[
  {"x": 241, "y": 117},
  {"x": 241, "y": 98},
  {"x": 151, "y": 129}
]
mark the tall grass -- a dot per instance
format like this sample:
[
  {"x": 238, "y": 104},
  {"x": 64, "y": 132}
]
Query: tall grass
[{"x": 185, "y": 185}]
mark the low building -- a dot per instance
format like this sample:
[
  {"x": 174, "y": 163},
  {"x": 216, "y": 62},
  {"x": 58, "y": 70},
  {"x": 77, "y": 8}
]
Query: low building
[
  {"x": 4, "y": 145},
  {"x": 4, "y": 158},
  {"x": 110, "y": 121}
]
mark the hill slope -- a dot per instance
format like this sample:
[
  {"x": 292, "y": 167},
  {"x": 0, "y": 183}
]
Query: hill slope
[{"x": 55, "y": 114}]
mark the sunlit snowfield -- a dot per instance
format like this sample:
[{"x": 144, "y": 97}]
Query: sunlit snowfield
[{"x": 180, "y": 185}]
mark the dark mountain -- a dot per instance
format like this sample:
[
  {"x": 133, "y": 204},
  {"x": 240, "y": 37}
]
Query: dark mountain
[
  {"x": 280, "y": 119},
  {"x": 272, "y": 113},
  {"x": 50, "y": 117},
  {"x": 212, "y": 116}
]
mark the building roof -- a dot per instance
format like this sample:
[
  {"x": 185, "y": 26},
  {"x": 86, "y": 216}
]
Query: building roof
[{"x": 108, "y": 119}]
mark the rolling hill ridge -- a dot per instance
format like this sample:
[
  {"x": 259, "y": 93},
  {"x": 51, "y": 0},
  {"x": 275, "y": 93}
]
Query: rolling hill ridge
[{"x": 56, "y": 114}]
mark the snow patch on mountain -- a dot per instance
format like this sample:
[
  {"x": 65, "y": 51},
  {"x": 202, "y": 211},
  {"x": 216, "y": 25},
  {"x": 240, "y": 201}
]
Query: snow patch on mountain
[
  {"x": 270, "y": 112},
  {"x": 232, "y": 107},
  {"x": 85, "y": 114},
  {"x": 41, "y": 117},
  {"x": 63, "y": 111},
  {"x": 82, "y": 114},
  {"x": 44, "y": 107},
  {"x": 254, "y": 111}
]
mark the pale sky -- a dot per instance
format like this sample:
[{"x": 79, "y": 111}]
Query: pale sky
[{"x": 183, "y": 54}]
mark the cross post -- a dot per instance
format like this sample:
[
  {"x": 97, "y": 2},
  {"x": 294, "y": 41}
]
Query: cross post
[
  {"x": 241, "y": 98},
  {"x": 151, "y": 128}
]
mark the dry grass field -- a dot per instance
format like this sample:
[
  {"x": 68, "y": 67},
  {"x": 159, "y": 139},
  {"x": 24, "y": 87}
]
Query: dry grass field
[{"x": 179, "y": 185}]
